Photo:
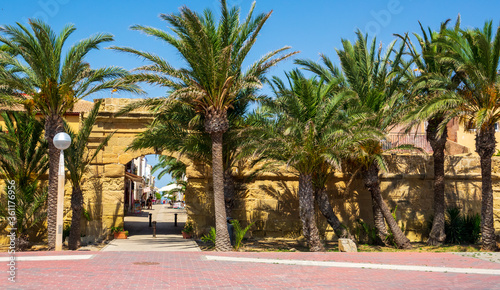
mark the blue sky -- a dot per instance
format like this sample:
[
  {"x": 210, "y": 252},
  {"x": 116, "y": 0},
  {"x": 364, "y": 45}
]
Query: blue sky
[{"x": 311, "y": 27}]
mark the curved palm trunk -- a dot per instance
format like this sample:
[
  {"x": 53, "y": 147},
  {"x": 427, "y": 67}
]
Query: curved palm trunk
[
  {"x": 53, "y": 125},
  {"x": 437, "y": 235},
  {"x": 306, "y": 206},
  {"x": 77, "y": 208},
  {"x": 379, "y": 222},
  {"x": 485, "y": 147},
  {"x": 326, "y": 209},
  {"x": 229, "y": 191},
  {"x": 371, "y": 183},
  {"x": 222, "y": 242},
  {"x": 401, "y": 240}
]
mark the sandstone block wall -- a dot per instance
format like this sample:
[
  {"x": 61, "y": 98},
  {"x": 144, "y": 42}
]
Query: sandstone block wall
[{"x": 271, "y": 201}]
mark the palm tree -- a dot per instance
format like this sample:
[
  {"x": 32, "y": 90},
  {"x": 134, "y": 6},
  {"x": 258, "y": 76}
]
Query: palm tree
[
  {"x": 174, "y": 130},
  {"x": 24, "y": 161},
  {"x": 38, "y": 68},
  {"x": 6, "y": 93},
  {"x": 375, "y": 79},
  {"x": 433, "y": 79},
  {"x": 301, "y": 129},
  {"x": 77, "y": 159},
  {"x": 333, "y": 75},
  {"x": 474, "y": 55},
  {"x": 214, "y": 53},
  {"x": 170, "y": 165}
]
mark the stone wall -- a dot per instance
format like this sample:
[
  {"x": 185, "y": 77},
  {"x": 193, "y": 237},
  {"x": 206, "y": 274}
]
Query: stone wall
[{"x": 271, "y": 201}]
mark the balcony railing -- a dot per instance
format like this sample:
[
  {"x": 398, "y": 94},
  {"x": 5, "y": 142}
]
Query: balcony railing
[{"x": 418, "y": 140}]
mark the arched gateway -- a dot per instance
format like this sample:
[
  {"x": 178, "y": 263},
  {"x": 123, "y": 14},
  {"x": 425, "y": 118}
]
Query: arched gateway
[{"x": 104, "y": 185}]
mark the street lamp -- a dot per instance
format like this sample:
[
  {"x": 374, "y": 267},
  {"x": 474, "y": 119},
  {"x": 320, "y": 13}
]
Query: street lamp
[{"x": 61, "y": 142}]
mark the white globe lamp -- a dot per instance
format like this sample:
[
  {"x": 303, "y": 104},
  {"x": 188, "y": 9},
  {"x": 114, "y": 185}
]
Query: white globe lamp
[{"x": 62, "y": 141}]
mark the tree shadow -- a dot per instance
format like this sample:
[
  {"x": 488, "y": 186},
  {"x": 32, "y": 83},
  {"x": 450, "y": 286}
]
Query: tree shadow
[{"x": 93, "y": 228}]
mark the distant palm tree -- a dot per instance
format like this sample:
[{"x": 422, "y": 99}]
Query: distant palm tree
[
  {"x": 24, "y": 161},
  {"x": 432, "y": 80},
  {"x": 474, "y": 55},
  {"x": 170, "y": 165},
  {"x": 77, "y": 159},
  {"x": 214, "y": 54},
  {"x": 51, "y": 79},
  {"x": 301, "y": 129}
]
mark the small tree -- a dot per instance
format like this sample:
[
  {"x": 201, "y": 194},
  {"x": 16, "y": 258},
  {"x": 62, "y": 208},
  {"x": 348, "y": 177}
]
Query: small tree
[{"x": 77, "y": 159}]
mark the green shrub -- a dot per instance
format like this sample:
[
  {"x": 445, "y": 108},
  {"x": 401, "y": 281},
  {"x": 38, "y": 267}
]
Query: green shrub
[
  {"x": 366, "y": 233},
  {"x": 188, "y": 228},
  {"x": 460, "y": 229},
  {"x": 210, "y": 237},
  {"x": 239, "y": 233}
]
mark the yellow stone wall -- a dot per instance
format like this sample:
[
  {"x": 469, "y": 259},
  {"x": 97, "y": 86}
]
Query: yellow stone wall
[{"x": 271, "y": 201}]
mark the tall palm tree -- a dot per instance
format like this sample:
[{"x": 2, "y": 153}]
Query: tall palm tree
[
  {"x": 77, "y": 159},
  {"x": 24, "y": 160},
  {"x": 376, "y": 80},
  {"x": 54, "y": 78},
  {"x": 175, "y": 129},
  {"x": 432, "y": 80},
  {"x": 214, "y": 54},
  {"x": 333, "y": 75},
  {"x": 301, "y": 129},
  {"x": 474, "y": 55}
]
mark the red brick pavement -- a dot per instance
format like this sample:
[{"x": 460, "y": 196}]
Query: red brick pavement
[{"x": 181, "y": 270}]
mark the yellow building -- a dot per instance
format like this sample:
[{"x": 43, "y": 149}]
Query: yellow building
[{"x": 72, "y": 117}]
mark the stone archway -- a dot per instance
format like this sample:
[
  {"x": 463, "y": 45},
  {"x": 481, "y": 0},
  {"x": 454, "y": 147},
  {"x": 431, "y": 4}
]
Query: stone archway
[{"x": 105, "y": 183}]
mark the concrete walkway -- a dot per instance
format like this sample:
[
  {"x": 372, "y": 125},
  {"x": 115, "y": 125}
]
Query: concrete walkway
[{"x": 168, "y": 237}]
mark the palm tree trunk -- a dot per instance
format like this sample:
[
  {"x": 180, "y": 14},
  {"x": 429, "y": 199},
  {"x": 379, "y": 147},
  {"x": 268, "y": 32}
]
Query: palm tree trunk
[
  {"x": 485, "y": 147},
  {"x": 437, "y": 235},
  {"x": 222, "y": 242},
  {"x": 371, "y": 183},
  {"x": 77, "y": 208},
  {"x": 307, "y": 216},
  {"x": 401, "y": 240},
  {"x": 326, "y": 209},
  {"x": 229, "y": 191},
  {"x": 53, "y": 125}
]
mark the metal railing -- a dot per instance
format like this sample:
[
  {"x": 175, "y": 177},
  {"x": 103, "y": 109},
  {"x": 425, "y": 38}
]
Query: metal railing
[{"x": 395, "y": 139}]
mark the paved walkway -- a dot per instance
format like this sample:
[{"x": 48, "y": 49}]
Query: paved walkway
[
  {"x": 210, "y": 270},
  {"x": 168, "y": 237}
]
